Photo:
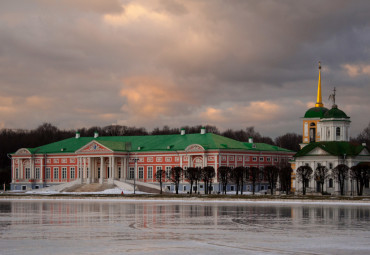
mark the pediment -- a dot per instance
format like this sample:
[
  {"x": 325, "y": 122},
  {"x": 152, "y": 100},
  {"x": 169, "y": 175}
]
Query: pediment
[
  {"x": 93, "y": 147},
  {"x": 318, "y": 151},
  {"x": 23, "y": 151},
  {"x": 194, "y": 147},
  {"x": 364, "y": 152}
]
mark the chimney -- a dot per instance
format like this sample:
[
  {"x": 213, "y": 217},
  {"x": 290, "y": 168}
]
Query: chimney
[
  {"x": 77, "y": 135},
  {"x": 96, "y": 134},
  {"x": 250, "y": 139},
  {"x": 202, "y": 130},
  {"x": 182, "y": 131}
]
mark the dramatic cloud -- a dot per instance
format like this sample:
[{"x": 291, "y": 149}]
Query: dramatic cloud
[{"x": 145, "y": 63}]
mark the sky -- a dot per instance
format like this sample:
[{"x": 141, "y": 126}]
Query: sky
[{"x": 232, "y": 64}]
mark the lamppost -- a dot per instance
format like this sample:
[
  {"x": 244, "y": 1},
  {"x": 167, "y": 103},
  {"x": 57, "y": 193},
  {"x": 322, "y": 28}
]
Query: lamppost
[{"x": 135, "y": 160}]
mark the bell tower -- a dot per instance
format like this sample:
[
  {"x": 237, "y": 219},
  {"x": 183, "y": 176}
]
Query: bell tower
[{"x": 312, "y": 117}]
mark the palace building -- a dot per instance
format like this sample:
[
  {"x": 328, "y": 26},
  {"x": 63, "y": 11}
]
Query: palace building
[
  {"x": 122, "y": 159},
  {"x": 326, "y": 143}
]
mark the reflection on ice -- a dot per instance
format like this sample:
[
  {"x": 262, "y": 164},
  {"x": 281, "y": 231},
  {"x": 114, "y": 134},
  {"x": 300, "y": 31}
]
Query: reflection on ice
[{"x": 101, "y": 227}]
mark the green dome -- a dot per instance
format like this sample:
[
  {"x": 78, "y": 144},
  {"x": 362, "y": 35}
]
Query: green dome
[
  {"x": 335, "y": 113},
  {"x": 316, "y": 112}
]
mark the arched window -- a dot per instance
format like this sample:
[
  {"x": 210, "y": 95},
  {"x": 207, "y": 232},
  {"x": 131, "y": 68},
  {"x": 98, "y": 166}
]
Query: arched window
[
  {"x": 337, "y": 132},
  {"x": 312, "y": 132}
]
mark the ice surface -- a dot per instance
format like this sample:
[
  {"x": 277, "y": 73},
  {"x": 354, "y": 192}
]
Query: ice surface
[{"x": 183, "y": 227}]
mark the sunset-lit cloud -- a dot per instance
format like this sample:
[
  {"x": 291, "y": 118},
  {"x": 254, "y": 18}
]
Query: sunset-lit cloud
[
  {"x": 233, "y": 64},
  {"x": 355, "y": 70}
]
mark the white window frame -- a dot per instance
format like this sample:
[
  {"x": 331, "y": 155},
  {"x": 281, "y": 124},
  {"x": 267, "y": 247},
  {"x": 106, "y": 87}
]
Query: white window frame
[
  {"x": 37, "y": 173},
  {"x": 141, "y": 172},
  {"x": 72, "y": 173},
  {"x": 27, "y": 173},
  {"x": 47, "y": 173},
  {"x": 149, "y": 172},
  {"x": 64, "y": 173},
  {"x": 55, "y": 170}
]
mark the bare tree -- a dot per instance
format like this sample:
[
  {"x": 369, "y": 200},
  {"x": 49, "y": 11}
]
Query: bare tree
[
  {"x": 254, "y": 173},
  {"x": 271, "y": 174},
  {"x": 321, "y": 174},
  {"x": 285, "y": 177},
  {"x": 361, "y": 174},
  {"x": 224, "y": 176},
  {"x": 304, "y": 174},
  {"x": 192, "y": 175},
  {"x": 176, "y": 174},
  {"x": 160, "y": 176},
  {"x": 340, "y": 174},
  {"x": 208, "y": 173},
  {"x": 237, "y": 175}
]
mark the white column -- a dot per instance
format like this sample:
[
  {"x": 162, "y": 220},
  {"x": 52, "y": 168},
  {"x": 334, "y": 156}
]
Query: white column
[
  {"x": 113, "y": 168},
  {"x": 101, "y": 170},
  {"x": 84, "y": 168},
  {"x": 42, "y": 170},
  {"x": 13, "y": 167},
  {"x": 32, "y": 166},
  {"x": 21, "y": 169},
  {"x": 88, "y": 170},
  {"x": 122, "y": 159}
]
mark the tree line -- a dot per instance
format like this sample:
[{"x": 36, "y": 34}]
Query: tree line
[
  {"x": 237, "y": 176},
  {"x": 341, "y": 173}
]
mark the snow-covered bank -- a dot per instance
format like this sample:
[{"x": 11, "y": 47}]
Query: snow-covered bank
[{"x": 187, "y": 200}]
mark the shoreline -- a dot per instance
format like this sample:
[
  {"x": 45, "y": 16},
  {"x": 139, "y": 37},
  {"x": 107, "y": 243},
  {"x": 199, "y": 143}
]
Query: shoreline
[{"x": 365, "y": 201}]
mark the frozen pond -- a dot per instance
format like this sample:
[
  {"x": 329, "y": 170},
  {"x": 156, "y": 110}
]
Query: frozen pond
[{"x": 118, "y": 227}]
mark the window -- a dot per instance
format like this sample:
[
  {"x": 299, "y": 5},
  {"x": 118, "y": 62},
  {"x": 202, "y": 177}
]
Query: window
[
  {"x": 119, "y": 172},
  {"x": 331, "y": 183},
  {"x": 37, "y": 173},
  {"x": 16, "y": 173},
  {"x": 56, "y": 160},
  {"x": 131, "y": 173},
  {"x": 64, "y": 173},
  {"x": 47, "y": 173},
  {"x": 168, "y": 159},
  {"x": 158, "y": 159},
  {"x": 150, "y": 159},
  {"x": 232, "y": 188},
  {"x": 275, "y": 159},
  {"x": 141, "y": 172},
  {"x": 28, "y": 173},
  {"x": 184, "y": 189},
  {"x": 268, "y": 159},
  {"x": 337, "y": 132},
  {"x": 254, "y": 158},
  {"x": 261, "y": 159},
  {"x": 73, "y": 173},
  {"x": 56, "y": 173},
  {"x": 330, "y": 165},
  {"x": 150, "y": 172},
  {"x": 99, "y": 172},
  {"x": 168, "y": 172}
]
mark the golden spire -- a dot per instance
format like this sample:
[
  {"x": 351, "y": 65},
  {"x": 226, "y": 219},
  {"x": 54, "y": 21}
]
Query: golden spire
[{"x": 319, "y": 98}]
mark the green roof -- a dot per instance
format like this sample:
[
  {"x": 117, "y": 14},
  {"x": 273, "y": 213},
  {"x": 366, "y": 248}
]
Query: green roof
[
  {"x": 333, "y": 148},
  {"x": 315, "y": 112},
  {"x": 176, "y": 142},
  {"x": 334, "y": 112}
]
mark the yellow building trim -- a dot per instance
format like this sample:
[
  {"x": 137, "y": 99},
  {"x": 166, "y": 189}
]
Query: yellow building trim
[{"x": 319, "y": 97}]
